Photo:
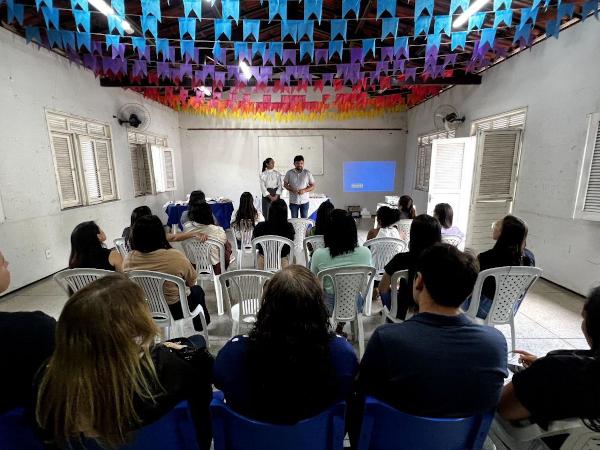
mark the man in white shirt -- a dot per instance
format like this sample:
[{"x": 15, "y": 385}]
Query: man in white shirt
[
  {"x": 299, "y": 182},
  {"x": 270, "y": 185}
]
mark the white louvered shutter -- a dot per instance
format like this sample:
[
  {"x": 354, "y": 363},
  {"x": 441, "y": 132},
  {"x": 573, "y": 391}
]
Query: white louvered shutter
[
  {"x": 105, "y": 169},
  {"x": 588, "y": 199},
  {"x": 169, "y": 169},
  {"x": 451, "y": 177},
  {"x": 90, "y": 169},
  {"x": 66, "y": 174},
  {"x": 158, "y": 168},
  {"x": 494, "y": 187},
  {"x": 146, "y": 152}
]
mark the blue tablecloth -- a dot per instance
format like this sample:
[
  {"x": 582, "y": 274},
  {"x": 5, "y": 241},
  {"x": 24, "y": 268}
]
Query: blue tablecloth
[{"x": 222, "y": 212}]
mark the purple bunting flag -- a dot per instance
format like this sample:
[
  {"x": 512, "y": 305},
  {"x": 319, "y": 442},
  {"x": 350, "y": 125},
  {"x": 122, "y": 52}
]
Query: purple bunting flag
[
  {"x": 289, "y": 55},
  {"x": 410, "y": 73},
  {"x": 140, "y": 68},
  {"x": 321, "y": 55}
]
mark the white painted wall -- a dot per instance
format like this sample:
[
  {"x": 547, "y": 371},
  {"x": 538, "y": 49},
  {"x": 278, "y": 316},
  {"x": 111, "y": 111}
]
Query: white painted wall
[
  {"x": 555, "y": 81},
  {"x": 226, "y": 163},
  {"x": 32, "y": 79}
]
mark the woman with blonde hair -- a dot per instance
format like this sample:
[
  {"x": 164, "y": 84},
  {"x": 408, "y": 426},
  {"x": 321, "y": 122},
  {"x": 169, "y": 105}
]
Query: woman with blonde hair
[{"x": 106, "y": 378}]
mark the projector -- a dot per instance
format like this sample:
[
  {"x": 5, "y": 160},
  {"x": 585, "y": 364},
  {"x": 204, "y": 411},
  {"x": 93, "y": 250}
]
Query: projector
[{"x": 392, "y": 199}]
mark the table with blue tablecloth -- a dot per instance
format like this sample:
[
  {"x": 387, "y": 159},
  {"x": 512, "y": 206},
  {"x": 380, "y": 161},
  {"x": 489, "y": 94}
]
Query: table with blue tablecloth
[{"x": 221, "y": 211}]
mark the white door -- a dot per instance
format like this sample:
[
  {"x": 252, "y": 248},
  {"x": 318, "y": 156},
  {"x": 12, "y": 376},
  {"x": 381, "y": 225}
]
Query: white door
[
  {"x": 494, "y": 184},
  {"x": 451, "y": 177}
]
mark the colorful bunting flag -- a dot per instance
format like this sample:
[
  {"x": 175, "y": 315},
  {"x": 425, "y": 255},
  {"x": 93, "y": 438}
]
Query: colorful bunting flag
[
  {"x": 251, "y": 27},
  {"x": 84, "y": 40},
  {"x": 82, "y": 19},
  {"x": 321, "y": 55},
  {"x": 443, "y": 24},
  {"x": 150, "y": 23},
  {"x": 307, "y": 48},
  {"x": 423, "y": 5},
  {"x": 368, "y": 45},
  {"x": 231, "y": 8},
  {"x": 119, "y": 7},
  {"x": 455, "y": 4},
  {"x": 386, "y": 5},
  {"x": 313, "y": 8},
  {"x": 33, "y": 34},
  {"x": 289, "y": 55},
  {"x": 151, "y": 8},
  {"x": 187, "y": 25},
  {"x": 192, "y": 5},
  {"x": 54, "y": 38},
  {"x": 51, "y": 16},
  {"x": 504, "y": 16},
  {"x": 338, "y": 27},
  {"x": 222, "y": 27},
  {"x": 68, "y": 39},
  {"x": 335, "y": 47},
  {"x": 401, "y": 46},
  {"x": 589, "y": 7},
  {"x": 277, "y": 7},
  {"x": 389, "y": 26},
  {"x": 476, "y": 21},
  {"x": 488, "y": 35},
  {"x": 422, "y": 25},
  {"x": 458, "y": 39}
]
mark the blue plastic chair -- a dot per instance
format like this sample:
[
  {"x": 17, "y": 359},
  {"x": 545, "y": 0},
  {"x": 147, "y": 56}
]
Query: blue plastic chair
[
  {"x": 234, "y": 432},
  {"x": 173, "y": 431},
  {"x": 386, "y": 428}
]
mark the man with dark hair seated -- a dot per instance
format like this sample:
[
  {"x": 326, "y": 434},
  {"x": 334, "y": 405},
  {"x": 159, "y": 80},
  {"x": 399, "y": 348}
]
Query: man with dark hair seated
[{"x": 438, "y": 363}]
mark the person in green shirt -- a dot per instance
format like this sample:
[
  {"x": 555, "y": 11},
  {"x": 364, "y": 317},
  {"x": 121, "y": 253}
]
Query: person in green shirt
[{"x": 341, "y": 250}]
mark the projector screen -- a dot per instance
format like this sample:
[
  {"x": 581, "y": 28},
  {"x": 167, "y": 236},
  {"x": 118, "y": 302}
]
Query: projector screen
[{"x": 369, "y": 176}]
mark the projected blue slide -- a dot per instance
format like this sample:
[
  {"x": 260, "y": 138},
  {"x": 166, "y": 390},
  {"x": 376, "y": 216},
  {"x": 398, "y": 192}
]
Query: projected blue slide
[{"x": 369, "y": 176}]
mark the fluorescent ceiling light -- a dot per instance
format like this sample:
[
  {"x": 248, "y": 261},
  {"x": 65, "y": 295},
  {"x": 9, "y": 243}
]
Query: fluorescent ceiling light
[
  {"x": 462, "y": 19},
  {"x": 245, "y": 69},
  {"x": 107, "y": 10}
]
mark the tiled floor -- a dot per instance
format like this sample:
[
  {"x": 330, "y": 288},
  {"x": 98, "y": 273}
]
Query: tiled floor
[{"x": 549, "y": 318}]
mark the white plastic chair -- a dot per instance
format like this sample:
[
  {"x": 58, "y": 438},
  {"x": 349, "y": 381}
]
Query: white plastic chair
[
  {"x": 199, "y": 253},
  {"x": 311, "y": 243},
  {"x": 392, "y": 313},
  {"x": 528, "y": 436},
  {"x": 403, "y": 226},
  {"x": 451, "y": 239},
  {"x": 348, "y": 284},
  {"x": 244, "y": 229},
  {"x": 71, "y": 280},
  {"x": 382, "y": 251},
  {"x": 272, "y": 247},
  {"x": 122, "y": 247},
  {"x": 242, "y": 290},
  {"x": 300, "y": 228},
  {"x": 512, "y": 283},
  {"x": 153, "y": 285}
]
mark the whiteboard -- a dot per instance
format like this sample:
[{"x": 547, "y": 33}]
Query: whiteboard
[{"x": 283, "y": 149}]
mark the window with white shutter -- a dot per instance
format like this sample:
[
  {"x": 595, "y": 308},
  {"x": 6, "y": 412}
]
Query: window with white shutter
[
  {"x": 587, "y": 205},
  {"x": 512, "y": 119},
  {"x": 143, "y": 168},
  {"x": 424, "y": 142},
  {"x": 83, "y": 160}
]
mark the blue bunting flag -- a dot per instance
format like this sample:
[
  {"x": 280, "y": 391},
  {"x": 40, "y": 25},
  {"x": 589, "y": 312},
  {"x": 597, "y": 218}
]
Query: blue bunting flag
[
  {"x": 528, "y": 13},
  {"x": 307, "y": 48},
  {"x": 192, "y": 5},
  {"x": 187, "y": 48},
  {"x": 565, "y": 9},
  {"x": 51, "y": 16},
  {"x": 313, "y": 8},
  {"x": 187, "y": 25},
  {"x": 589, "y": 7},
  {"x": 54, "y": 38},
  {"x": 162, "y": 46},
  {"x": 119, "y": 7},
  {"x": 338, "y": 27},
  {"x": 112, "y": 40},
  {"x": 354, "y": 6},
  {"x": 488, "y": 36},
  {"x": 368, "y": 45},
  {"x": 423, "y": 5},
  {"x": 83, "y": 4},
  {"x": 504, "y": 16},
  {"x": 33, "y": 34},
  {"x": 150, "y": 23},
  {"x": 151, "y": 8},
  {"x": 231, "y": 8},
  {"x": 277, "y": 7},
  {"x": 139, "y": 43},
  {"x": 442, "y": 24},
  {"x": 115, "y": 22},
  {"x": 251, "y": 27},
  {"x": 222, "y": 26},
  {"x": 16, "y": 11},
  {"x": 276, "y": 49},
  {"x": 386, "y": 5},
  {"x": 306, "y": 28},
  {"x": 82, "y": 19},
  {"x": 401, "y": 46},
  {"x": 68, "y": 39},
  {"x": 458, "y": 39},
  {"x": 336, "y": 47},
  {"x": 422, "y": 25},
  {"x": 523, "y": 33},
  {"x": 389, "y": 26},
  {"x": 38, "y": 3},
  {"x": 433, "y": 40},
  {"x": 289, "y": 28},
  {"x": 553, "y": 28},
  {"x": 455, "y": 4},
  {"x": 84, "y": 40},
  {"x": 259, "y": 47},
  {"x": 476, "y": 21}
]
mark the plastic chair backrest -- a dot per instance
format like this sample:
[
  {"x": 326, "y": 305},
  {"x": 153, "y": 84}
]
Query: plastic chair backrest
[
  {"x": 403, "y": 226},
  {"x": 512, "y": 283},
  {"x": 386, "y": 428},
  {"x": 244, "y": 229},
  {"x": 383, "y": 250},
  {"x": 272, "y": 247},
  {"x": 122, "y": 246},
  {"x": 71, "y": 280},
  {"x": 451, "y": 239},
  {"x": 232, "y": 431},
  {"x": 395, "y": 285},
  {"x": 244, "y": 287},
  {"x": 348, "y": 283},
  {"x": 300, "y": 227},
  {"x": 311, "y": 243},
  {"x": 173, "y": 431},
  {"x": 199, "y": 253}
]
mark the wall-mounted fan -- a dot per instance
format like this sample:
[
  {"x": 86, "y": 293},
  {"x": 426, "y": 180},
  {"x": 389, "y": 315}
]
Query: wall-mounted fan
[
  {"x": 134, "y": 115},
  {"x": 446, "y": 117}
]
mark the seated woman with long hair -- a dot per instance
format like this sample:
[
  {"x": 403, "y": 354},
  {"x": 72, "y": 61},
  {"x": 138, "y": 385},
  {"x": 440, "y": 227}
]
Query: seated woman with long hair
[
  {"x": 424, "y": 232},
  {"x": 563, "y": 384},
  {"x": 107, "y": 378},
  {"x": 246, "y": 212},
  {"x": 444, "y": 213},
  {"x": 291, "y": 366},
  {"x": 509, "y": 250},
  {"x": 323, "y": 218},
  {"x": 341, "y": 250},
  {"x": 88, "y": 250},
  {"x": 151, "y": 251},
  {"x": 277, "y": 225},
  {"x": 202, "y": 221},
  {"x": 386, "y": 219},
  {"x": 407, "y": 207}
]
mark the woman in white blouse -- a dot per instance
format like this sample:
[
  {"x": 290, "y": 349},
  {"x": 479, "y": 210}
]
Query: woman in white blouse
[{"x": 270, "y": 185}]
